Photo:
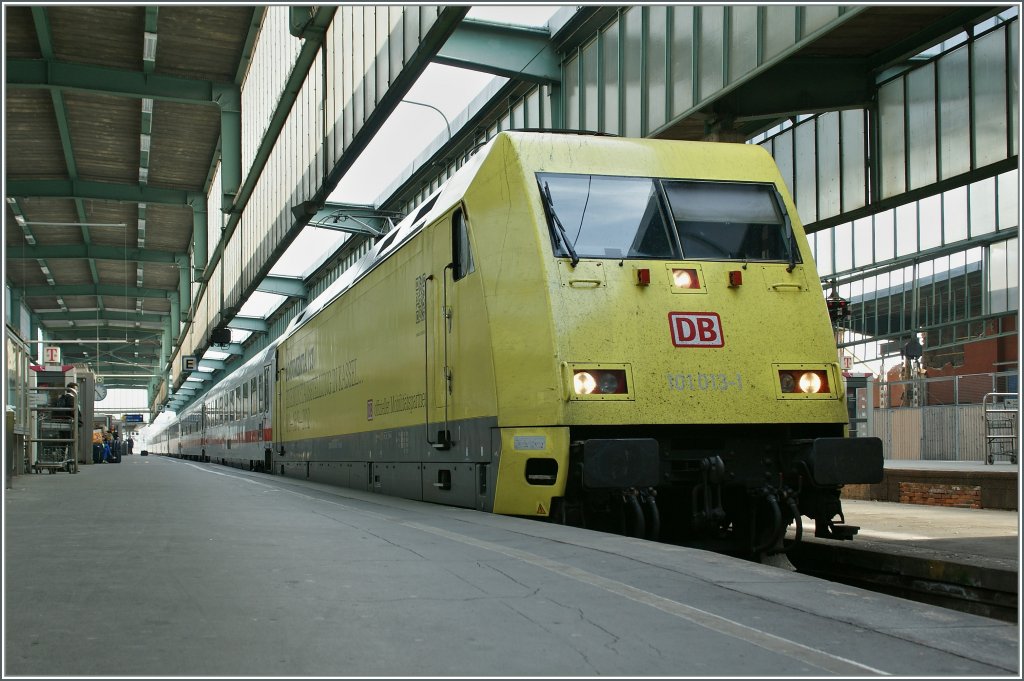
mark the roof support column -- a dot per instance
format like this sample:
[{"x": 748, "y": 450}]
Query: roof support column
[
  {"x": 199, "y": 237},
  {"x": 230, "y": 102},
  {"x": 184, "y": 286},
  {"x": 557, "y": 119},
  {"x": 175, "y": 321},
  {"x": 165, "y": 346}
]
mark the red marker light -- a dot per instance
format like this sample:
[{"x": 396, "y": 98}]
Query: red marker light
[
  {"x": 736, "y": 278},
  {"x": 643, "y": 277}
]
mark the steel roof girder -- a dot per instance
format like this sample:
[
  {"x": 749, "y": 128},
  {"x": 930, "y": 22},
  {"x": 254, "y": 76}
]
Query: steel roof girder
[
  {"x": 254, "y": 324},
  {"x": 838, "y": 84},
  {"x": 293, "y": 287},
  {"x": 91, "y": 252},
  {"x": 108, "y": 316},
  {"x": 98, "y": 191},
  {"x": 95, "y": 290},
  {"x": 44, "y": 73},
  {"x": 512, "y": 51}
]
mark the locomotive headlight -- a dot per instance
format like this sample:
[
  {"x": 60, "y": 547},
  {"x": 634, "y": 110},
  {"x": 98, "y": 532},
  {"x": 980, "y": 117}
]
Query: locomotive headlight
[
  {"x": 803, "y": 382},
  {"x": 685, "y": 278},
  {"x": 584, "y": 383},
  {"x": 608, "y": 382},
  {"x": 810, "y": 382},
  {"x": 600, "y": 382}
]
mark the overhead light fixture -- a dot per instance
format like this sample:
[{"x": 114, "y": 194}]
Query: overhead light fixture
[
  {"x": 149, "y": 46},
  {"x": 143, "y": 175},
  {"x": 30, "y": 239},
  {"x": 147, "y": 105},
  {"x": 144, "y": 141}
]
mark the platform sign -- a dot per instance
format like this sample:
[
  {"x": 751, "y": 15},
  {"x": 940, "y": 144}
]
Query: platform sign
[
  {"x": 133, "y": 418},
  {"x": 51, "y": 355},
  {"x": 189, "y": 363}
]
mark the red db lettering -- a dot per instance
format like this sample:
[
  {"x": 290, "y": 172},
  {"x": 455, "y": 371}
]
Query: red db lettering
[{"x": 696, "y": 329}]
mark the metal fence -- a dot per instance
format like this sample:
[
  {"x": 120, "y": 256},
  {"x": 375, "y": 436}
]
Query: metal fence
[{"x": 942, "y": 419}]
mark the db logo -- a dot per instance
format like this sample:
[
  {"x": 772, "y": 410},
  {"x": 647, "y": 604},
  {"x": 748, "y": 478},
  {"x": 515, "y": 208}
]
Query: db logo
[{"x": 696, "y": 329}]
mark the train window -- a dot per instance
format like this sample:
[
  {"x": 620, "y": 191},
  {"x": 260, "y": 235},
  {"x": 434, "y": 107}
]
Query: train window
[
  {"x": 729, "y": 221},
  {"x": 606, "y": 217},
  {"x": 462, "y": 255}
]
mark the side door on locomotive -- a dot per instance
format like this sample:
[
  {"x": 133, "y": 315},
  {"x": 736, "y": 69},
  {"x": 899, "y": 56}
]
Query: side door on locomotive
[{"x": 460, "y": 388}]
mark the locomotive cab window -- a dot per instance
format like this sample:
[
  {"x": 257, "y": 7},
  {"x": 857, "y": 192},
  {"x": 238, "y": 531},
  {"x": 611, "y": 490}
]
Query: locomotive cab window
[
  {"x": 462, "y": 254},
  {"x": 595, "y": 216},
  {"x": 729, "y": 221}
]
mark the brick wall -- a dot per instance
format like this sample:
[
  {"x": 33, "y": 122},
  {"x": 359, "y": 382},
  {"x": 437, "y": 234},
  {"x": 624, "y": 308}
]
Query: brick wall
[
  {"x": 990, "y": 487},
  {"x": 930, "y": 494}
]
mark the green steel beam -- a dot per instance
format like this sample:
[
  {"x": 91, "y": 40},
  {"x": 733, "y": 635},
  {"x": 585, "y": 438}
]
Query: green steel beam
[
  {"x": 955, "y": 22},
  {"x": 42, "y": 73},
  {"x": 510, "y": 51},
  {"x": 200, "y": 252},
  {"x": 95, "y": 290},
  {"x": 250, "y": 42},
  {"x": 343, "y": 217},
  {"x": 175, "y": 301},
  {"x": 45, "y": 37},
  {"x": 299, "y": 18},
  {"x": 799, "y": 86},
  {"x": 109, "y": 315},
  {"x": 152, "y": 13},
  {"x": 184, "y": 287},
  {"x": 230, "y": 150},
  {"x": 97, "y": 191},
  {"x": 85, "y": 333},
  {"x": 254, "y": 324},
  {"x": 77, "y": 252},
  {"x": 231, "y": 348},
  {"x": 284, "y": 286}
]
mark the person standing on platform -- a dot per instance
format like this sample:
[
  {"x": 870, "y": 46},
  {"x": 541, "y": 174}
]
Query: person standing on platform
[
  {"x": 106, "y": 450},
  {"x": 130, "y": 444}
]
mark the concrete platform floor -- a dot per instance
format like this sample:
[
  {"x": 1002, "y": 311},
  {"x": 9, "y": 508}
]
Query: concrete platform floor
[{"x": 158, "y": 567}]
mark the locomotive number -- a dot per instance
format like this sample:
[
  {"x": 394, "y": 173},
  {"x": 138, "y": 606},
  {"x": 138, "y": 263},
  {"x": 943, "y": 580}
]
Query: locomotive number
[{"x": 720, "y": 382}]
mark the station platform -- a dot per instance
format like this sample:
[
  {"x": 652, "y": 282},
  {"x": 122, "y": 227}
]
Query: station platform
[
  {"x": 959, "y": 484},
  {"x": 161, "y": 567}
]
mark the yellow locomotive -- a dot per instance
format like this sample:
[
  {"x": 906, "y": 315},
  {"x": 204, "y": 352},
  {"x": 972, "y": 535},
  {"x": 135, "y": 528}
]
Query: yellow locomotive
[{"x": 625, "y": 334}]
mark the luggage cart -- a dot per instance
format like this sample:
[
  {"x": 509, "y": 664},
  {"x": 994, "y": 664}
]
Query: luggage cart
[
  {"x": 56, "y": 437},
  {"x": 53, "y": 450},
  {"x": 1001, "y": 414}
]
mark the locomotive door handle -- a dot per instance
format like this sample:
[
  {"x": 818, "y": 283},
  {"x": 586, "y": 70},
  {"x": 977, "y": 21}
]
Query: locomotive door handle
[
  {"x": 786, "y": 285},
  {"x": 580, "y": 283}
]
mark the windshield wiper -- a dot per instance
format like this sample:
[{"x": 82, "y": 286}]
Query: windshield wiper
[
  {"x": 790, "y": 244},
  {"x": 550, "y": 205}
]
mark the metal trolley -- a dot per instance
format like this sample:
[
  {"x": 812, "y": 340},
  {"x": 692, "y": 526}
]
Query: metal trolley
[
  {"x": 1001, "y": 414},
  {"x": 56, "y": 436}
]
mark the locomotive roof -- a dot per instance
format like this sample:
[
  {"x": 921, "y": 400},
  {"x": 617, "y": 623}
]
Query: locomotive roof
[{"x": 437, "y": 203}]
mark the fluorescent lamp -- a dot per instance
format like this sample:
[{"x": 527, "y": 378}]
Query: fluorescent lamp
[{"x": 149, "y": 46}]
